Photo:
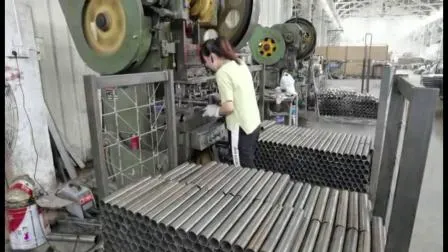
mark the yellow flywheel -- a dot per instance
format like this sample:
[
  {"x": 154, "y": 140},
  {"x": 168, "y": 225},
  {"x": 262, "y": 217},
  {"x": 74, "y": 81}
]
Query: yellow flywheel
[{"x": 104, "y": 25}]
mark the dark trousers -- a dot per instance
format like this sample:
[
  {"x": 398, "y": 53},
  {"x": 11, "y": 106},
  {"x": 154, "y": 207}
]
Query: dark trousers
[{"x": 247, "y": 143}]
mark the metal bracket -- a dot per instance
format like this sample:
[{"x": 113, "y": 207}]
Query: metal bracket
[{"x": 167, "y": 48}]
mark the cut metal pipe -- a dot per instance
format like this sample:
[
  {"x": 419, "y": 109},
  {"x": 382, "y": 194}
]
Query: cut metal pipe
[
  {"x": 313, "y": 232},
  {"x": 244, "y": 180},
  {"x": 259, "y": 237},
  {"x": 331, "y": 207},
  {"x": 324, "y": 238},
  {"x": 337, "y": 240},
  {"x": 377, "y": 236},
  {"x": 218, "y": 220},
  {"x": 278, "y": 188},
  {"x": 260, "y": 185},
  {"x": 351, "y": 240},
  {"x": 353, "y": 211},
  {"x": 254, "y": 225},
  {"x": 277, "y": 230},
  {"x": 364, "y": 242},
  {"x": 300, "y": 202},
  {"x": 341, "y": 213},
  {"x": 268, "y": 186},
  {"x": 72, "y": 237},
  {"x": 284, "y": 194},
  {"x": 239, "y": 226},
  {"x": 199, "y": 214},
  {"x": 290, "y": 233},
  {"x": 318, "y": 213},
  {"x": 290, "y": 201},
  {"x": 228, "y": 223}
]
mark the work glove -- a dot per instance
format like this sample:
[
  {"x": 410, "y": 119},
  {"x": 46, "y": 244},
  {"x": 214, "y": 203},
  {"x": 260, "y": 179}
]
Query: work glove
[{"x": 211, "y": 111}]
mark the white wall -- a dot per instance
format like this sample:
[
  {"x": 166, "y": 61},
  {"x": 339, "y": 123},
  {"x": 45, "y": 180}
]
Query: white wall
[
  {"x": 19, "y": 36},
  {"x": 274, "y": 12},
  {"x": 391, "y": 31},
  {"x": 62, "y": 76}
]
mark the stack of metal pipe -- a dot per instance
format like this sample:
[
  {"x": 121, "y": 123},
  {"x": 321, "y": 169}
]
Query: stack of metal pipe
[
  {"x": 217, "y": 207},
  {"x": 339, "y": 102},
  {"x": 321, "y": 157}
]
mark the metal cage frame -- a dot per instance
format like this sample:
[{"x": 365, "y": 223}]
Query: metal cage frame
[
  {"x": 398, "y": 207},
  {"x": 94, "y": 83}
]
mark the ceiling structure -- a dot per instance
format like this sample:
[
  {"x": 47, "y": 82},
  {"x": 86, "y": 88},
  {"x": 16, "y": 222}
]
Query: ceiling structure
[{"x": 388, "y": 8}]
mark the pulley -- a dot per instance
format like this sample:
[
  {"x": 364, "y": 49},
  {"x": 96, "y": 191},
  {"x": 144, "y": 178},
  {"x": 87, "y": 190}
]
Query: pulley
[
  {"x": 237, "y": 20},
  {"x": 267, "y": 45},
  {"x": 309, "y": 36},
  {"x": 110, "y": 35}
]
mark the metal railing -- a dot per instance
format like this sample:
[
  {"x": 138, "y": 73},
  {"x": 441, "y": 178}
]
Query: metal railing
[
  {"x": 132, "y": 129},
  {"x": 396, "y": 198}
]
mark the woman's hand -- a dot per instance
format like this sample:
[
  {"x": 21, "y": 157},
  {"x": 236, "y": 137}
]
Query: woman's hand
[{"x": 211, "y": 111}]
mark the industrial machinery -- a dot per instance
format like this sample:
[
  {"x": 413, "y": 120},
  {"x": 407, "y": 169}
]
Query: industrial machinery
[
  {"x": 285, "y": 47},
  {"x": 115, "y": 36}
]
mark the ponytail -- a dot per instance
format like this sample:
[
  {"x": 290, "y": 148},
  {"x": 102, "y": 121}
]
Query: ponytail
[{"x": 219, "y": 46}]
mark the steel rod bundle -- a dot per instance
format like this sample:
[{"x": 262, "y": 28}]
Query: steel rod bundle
[
  {"x": 316, "y": 156},
  {"x": 339, "y": 102},
  {"x": 217, "y": 207}
]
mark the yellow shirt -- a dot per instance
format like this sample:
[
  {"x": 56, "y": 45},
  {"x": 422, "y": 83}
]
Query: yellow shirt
[{"x": 235, "y": 84}]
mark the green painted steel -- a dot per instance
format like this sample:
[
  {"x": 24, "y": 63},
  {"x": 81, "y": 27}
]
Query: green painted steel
[{"x": 134, "y": 48}]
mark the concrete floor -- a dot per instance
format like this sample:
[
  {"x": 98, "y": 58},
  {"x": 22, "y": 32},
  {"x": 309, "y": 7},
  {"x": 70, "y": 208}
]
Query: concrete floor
[{"x": 428, "y": 228}]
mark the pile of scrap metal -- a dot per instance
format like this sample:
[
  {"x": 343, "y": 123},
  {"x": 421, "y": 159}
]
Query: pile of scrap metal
[{"x": 28, "y": 214}]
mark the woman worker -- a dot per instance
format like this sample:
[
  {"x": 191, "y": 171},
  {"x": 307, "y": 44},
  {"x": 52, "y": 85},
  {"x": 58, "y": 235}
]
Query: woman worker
[{"x": 238, "y": 100}]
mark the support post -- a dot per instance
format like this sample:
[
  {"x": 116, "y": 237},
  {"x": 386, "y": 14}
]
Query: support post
[
  {"x": 171, "y": 120},
  {"x": 419, "y": 124},
  {"x": 386, "y": 84},
  {"x": 94, "y": 114},
  {"x": 381, "y": 181}
]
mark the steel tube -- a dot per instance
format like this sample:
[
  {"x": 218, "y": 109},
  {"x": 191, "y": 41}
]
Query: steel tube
[
  {"x": 284, "y": 194},
  {"x": 318, "y": 213},
  {"x": 259, "y": 237},
  {"x": 377, "y": 236},
  {"x": 278, "y": 188},
  {"x": 330, "y": 210},
  {"x": 353, "y": 211},
  {"x": 218, "y": 220},
  {"x": 254, "y": 225},
  {"x": 277, "y": 230},
  {"x": 241, "y": 183},
  {"x": 337, "y": 240},
  {"x": 341, "y": 213},
  {"x": 260, "y": 185},
  {"x": 290, "y": 201},
  {"x": 199, "y": 214},
  {"x": 324, "y": 238},
  {"x": 203, "y": 223},
  {"x": 239, "y": 226},
  {"x": 268, "y": 186},
  {"x": 290, "y": 233},
  {"x": 310, "y": 241},
  {"x": 351, "y": 240},
  {"x": 72, "y": 238},
  {"x": 229, "y": 221},
  {"x": 300, "y": 203}
]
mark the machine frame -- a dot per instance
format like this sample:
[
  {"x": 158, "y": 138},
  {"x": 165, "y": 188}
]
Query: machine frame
[
  {"x": 398, "y": 206},
  {"x": 94, "y": 83}
]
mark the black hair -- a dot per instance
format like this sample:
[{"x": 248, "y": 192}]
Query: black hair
[{"x": 219, "y": 46}]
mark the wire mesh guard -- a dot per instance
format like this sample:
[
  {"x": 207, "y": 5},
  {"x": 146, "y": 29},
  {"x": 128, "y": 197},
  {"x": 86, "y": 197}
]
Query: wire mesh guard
[
  {"x": 134, "y": 132},
  {"x": 217, "y": 207},
  {"x": 316, "y": 156},
  {"x": 340, "y": 102}
]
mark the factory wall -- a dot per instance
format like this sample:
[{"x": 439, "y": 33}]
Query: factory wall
[
  {"x": 62, "y": 76},
  {"x": 274, "y": 11},
  {"x": 27, "y": 89}
]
